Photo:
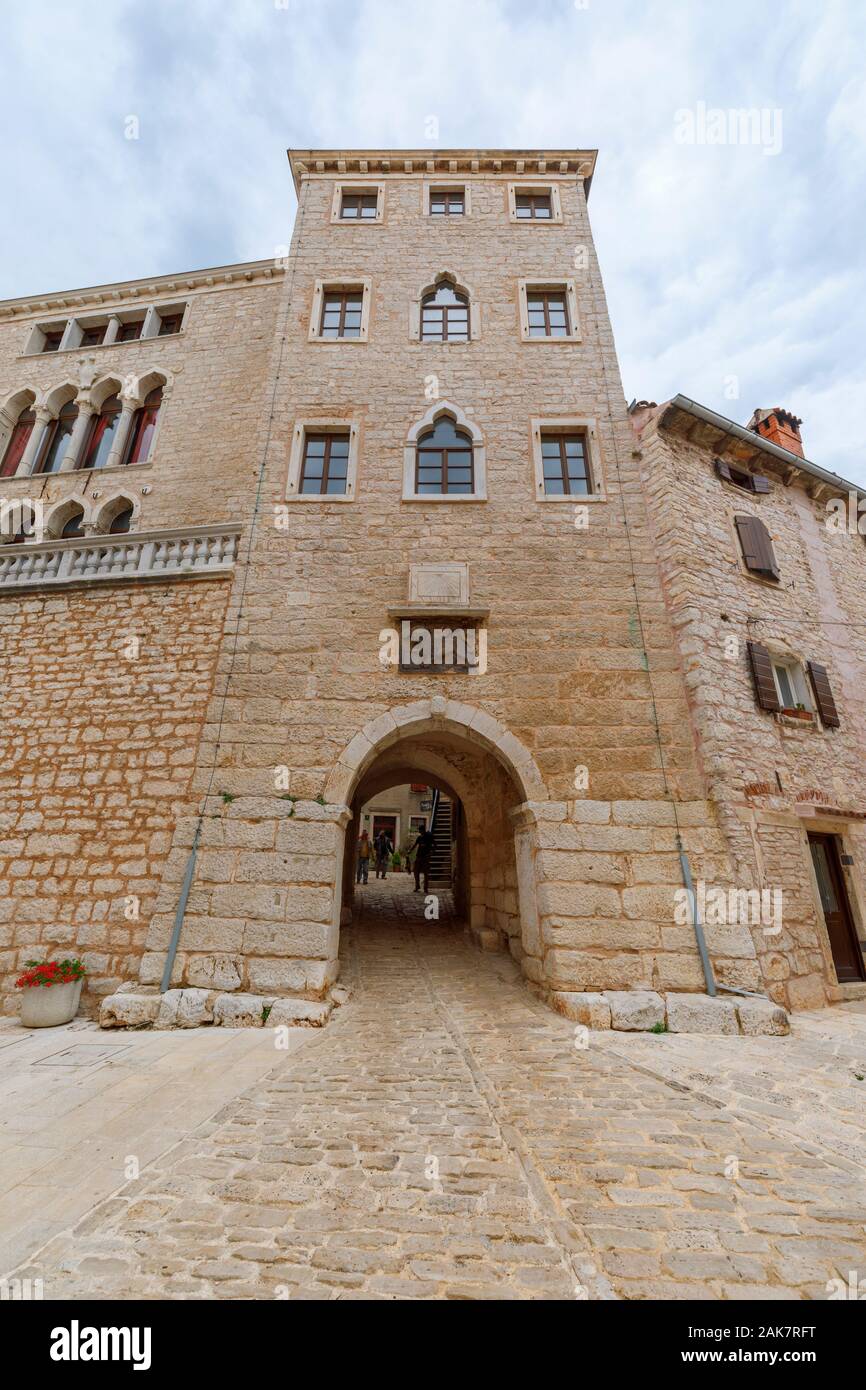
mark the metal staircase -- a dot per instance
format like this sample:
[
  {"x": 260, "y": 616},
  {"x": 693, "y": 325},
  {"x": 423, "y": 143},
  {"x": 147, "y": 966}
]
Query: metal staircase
[{"x": 440, "y": 856}]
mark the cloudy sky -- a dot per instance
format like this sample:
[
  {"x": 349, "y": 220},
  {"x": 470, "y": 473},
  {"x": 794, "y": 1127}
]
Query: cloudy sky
[{"x": 735, "y": 270}]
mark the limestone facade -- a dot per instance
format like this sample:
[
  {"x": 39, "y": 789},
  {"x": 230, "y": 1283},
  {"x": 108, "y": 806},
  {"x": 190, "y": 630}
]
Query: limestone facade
[
  {"x": 573, "y": 746},
  {"x": 774, "y": 778}
]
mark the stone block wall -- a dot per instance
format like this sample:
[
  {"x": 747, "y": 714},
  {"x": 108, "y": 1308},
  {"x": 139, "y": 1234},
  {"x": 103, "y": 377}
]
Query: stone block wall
[
  {"x": 769, "y": 778},
  {"x": 583, "y": 669},
  {"x": 98, "y": 751}
]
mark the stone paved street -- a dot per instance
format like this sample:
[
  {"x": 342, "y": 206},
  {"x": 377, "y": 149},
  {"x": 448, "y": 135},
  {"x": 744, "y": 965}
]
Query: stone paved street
[{"x": 444, "y": 1137}]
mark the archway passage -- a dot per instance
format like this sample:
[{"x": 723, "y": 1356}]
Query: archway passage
[{"x": 482, "y": 795}]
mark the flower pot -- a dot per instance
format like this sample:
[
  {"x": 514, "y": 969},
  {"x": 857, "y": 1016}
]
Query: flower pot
[{"x": 47, "y": 1006}]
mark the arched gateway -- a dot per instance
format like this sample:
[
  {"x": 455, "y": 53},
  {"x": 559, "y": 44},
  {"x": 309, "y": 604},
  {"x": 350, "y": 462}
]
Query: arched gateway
[{"x": 476, "y": 762}]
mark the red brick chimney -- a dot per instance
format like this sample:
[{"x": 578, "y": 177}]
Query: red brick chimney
[{"x": 780, "y": 427}]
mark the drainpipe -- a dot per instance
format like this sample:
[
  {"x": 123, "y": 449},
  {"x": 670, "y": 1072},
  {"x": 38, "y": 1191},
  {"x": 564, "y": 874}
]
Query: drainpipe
[
  {"x": 185, "y": 887},
  {"x": 712, "y": 987},
  {"x": 709, "y": 977}
]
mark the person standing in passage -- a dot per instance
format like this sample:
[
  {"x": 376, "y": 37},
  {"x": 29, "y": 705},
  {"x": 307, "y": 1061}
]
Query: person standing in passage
[
  {"x": 363, "y": 858},
  {"x": 384, "y": 850},
  {"x": 422, "y": 849}
]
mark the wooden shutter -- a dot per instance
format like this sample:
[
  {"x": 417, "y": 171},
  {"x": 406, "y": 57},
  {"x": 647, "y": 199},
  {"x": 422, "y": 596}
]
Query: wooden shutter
[
  {"x": 762, "y": 672},
  {"x": 823, "y": 694},
  {"x": 722, "y": 469},
  {"x": 760, "y": 483},
  {"x": 757, "y": 546}
]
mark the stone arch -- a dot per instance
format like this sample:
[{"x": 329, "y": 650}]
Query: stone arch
[
  {"x": 10, "y": 410},
  {"x": 432, "y": 415},
  {"x": 447, "y": 277},
  {"x": 440, "y": 715},
  {"x": 12, "y": 406},
  {"x": 139, "y": 387},
  {"x": 476, "y": 760},
  {"x": 112, "y": 507},
  {"x": 59, "y": 396},
  {"x": 58, "y": 516},
  {"x": 102, "y": 389}
]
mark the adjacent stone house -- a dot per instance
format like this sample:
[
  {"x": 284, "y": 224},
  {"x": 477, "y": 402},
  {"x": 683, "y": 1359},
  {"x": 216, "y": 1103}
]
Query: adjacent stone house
[
  {"x": 762, "y": 557},
  {"x": 373, "y": 513}
]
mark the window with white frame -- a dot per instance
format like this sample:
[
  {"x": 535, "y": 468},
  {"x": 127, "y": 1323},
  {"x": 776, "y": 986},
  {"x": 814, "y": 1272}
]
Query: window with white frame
[
  {"x": 791, "y": 685},
  {"x": 340, "y": 311},
  {"x": 445, "y": 203},
  {"x": 129, "y": 325},
  {"x": 358, "y": 203},
  {"x": 567, "y": 460},
  {"x": 534, "y": 204},
  {"x": 323, "y": 462},
  {"x": 444, "y": 459},
  {"x": 548, "y": 311}
]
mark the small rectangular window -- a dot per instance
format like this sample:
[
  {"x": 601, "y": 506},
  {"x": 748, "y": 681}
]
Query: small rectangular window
[
  {"x": 169, "y": 324},
  {"x": 447, "y": 202},
  {"x": 565, "y": 464},
  {"x": 547, "y": 313},
  {"x": 52, "y": 340},
  {"x": 130, "y": 331},
  {"x": 92, "y": 337},
  {"x": 325, "y": 465},
  {"x": 341, "y": 313},
  {"x": 355, "y": 206},
  {"x": 533, "y": 207}
]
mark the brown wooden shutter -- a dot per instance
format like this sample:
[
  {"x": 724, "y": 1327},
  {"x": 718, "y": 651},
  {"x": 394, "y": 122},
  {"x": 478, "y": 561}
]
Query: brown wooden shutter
[
  {"x": 823, "y": 694},
  {"x": 762, "y": 671},
  {"x": 760, "y": 483},
  {"x": 757, "y": 546},
  {"x": 722, "y": 469}
]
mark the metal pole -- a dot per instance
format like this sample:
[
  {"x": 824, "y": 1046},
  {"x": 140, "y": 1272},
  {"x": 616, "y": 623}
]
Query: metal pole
[
  {"x": 696, "y": 921},
  {"x": 188, "y": 874}
]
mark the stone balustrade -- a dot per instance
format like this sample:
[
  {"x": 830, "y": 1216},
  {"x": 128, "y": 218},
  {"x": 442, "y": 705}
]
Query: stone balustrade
[{"x": 188, "y": 552}]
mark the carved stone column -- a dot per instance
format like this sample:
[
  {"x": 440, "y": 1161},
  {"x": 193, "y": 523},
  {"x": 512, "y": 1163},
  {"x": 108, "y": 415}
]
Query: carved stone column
[{"x": 28, "y": 458}]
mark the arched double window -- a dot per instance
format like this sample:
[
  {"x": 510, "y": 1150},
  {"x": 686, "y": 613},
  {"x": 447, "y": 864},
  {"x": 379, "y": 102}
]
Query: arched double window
[
  {"x": 143, "y": 428},
  {"x": 18, "y": 440},
  {"x": 55, "y": 440},
  {"x": 102, "y": 434},
  {"x": 444, "y": 459},
  {"x": 445, "y": 315}
]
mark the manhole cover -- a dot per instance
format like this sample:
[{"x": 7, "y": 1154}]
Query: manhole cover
[{"x": 81, "y": 1055}]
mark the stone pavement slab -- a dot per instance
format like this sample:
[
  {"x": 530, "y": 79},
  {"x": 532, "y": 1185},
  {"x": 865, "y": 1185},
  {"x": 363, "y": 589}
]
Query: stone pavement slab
[{"x": 448, "y": 1136}]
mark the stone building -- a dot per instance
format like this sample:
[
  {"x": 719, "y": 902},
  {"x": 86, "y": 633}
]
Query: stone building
[
  {"x": 762, "y": 560},
  {"x": 373, "y": 514}
]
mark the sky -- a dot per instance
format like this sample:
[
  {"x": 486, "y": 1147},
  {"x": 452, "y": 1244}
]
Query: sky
[{"x": 148, "y": 136}]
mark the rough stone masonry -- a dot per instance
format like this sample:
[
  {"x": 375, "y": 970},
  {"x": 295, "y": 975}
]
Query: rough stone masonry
[{"x": 255, "y": 715}]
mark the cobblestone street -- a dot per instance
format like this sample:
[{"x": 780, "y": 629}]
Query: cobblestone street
[{"x": 443, "y": 1137}]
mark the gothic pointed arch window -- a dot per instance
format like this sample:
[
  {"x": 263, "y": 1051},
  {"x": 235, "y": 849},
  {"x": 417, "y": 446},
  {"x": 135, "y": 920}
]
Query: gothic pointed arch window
[
  {"x": 73, "y": 527},
  {"x": 445, "y": 315},
  {"x": 143, "y": 428},
  {"x": 18, "y": 441},
  {"x": 55, "y": 440},
  {"x": 103, "y": 432},
  {"x": 444, "y": 458}
]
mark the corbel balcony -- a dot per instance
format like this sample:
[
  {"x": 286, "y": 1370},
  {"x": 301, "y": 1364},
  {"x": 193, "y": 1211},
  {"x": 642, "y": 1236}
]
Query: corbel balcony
[{"x": 188, "y": 552}]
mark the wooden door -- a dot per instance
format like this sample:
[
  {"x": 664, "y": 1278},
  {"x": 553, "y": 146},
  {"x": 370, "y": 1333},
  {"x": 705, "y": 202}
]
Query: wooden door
[{"x": 847, "y": 956}]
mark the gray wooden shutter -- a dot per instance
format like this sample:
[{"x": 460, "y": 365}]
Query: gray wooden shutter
[
  {"x": 762, "y": 673},
  {"x": 823, "y": 694},
  {"x": 760, "y": 483},
  {"x": 757, "y": 546},
  {"x": 722, "y": 469}
]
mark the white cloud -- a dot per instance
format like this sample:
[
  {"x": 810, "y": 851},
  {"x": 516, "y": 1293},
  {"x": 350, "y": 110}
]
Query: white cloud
[{"x": 717, "y": 259}]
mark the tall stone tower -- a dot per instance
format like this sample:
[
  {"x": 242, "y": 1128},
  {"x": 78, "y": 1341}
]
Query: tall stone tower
[{"x": 448, "y": 579}]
